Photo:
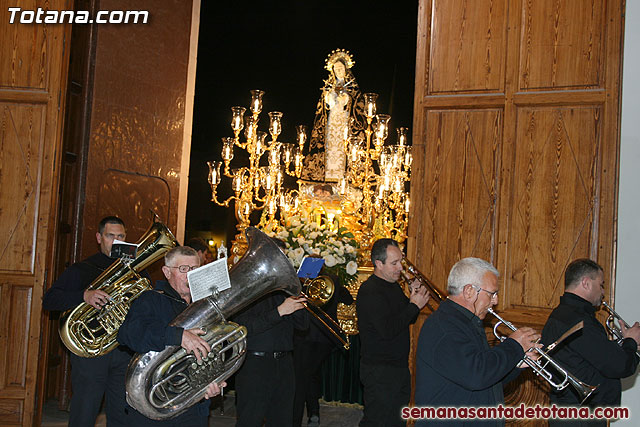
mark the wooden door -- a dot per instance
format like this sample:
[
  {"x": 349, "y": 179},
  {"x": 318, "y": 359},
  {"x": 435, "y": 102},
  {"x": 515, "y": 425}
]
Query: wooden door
[
  {"x": 33, "y": 64},
  {"x": 516, "y": 143}
]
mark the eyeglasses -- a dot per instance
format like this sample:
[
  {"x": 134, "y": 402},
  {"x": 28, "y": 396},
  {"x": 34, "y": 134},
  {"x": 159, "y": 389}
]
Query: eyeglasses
[
  {"x": 493, "y": 294},
  {"x": 184, "y": 268}
]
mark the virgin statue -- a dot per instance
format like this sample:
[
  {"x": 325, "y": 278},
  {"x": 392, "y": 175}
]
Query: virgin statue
[{"x": 339, "y": 115}]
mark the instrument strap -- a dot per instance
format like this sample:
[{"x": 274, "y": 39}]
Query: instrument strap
[{"x": 163, "y": 293}]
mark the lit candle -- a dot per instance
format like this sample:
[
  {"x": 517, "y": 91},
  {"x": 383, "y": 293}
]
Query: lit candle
[
  {"x": 256, "y": 101},
  {"x": 402, "y": 136},
  {"x": 370, "y": 104},
  {"x": 237, "y": 121},
  {"x": 236, "y": 185},
  {"x": 227, "y": 149},
  {"x": 275, "y": 125},
  {"x": 214, "y": 172},
  {"x": 302, "y": 135},
  {"x": 342, "y": 186}
]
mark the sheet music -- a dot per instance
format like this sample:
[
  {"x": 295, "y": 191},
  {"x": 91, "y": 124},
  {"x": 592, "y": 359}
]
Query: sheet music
[
  {"x": 310, "y": 267},
  {"x": 203, "y": 281},
  {"x": 120, "y": 249}
]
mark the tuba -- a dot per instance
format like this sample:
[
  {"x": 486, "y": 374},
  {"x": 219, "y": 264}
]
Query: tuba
[
  {"x": 90, "y": 332},
  {"x": 163, "y": 384}
]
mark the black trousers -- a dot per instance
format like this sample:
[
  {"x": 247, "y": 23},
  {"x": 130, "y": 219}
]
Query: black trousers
[
  {"x": 95, "y": 378},
  {"x": 196, "y": 416},
  {"x": 307, "y": 360},
  {"x": 386, "y": 390},
  {"x": 264, "y": 391}
]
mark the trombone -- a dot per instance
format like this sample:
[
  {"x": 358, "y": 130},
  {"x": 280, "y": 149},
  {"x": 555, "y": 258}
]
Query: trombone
[
  {"x": 544, "y": 362},
  {"x": 614, "y": 329},
  {"x": 410, "y": 273},
  {"x": 317, "y": 292}
]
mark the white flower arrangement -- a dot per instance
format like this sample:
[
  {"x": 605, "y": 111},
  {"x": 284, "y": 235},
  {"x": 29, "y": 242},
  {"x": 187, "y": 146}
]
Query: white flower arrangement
[{"x": 338, "y": 248}]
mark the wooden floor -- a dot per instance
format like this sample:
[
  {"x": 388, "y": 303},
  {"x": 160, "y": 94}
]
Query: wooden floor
[{"x": 330, "y": 415}]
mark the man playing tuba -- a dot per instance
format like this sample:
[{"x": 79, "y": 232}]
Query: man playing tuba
[
  {"x": 92, "y": 377},
  {"x": 146, "y": 328}
]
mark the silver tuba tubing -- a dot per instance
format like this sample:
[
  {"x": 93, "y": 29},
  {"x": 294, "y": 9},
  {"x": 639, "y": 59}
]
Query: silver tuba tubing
[
  {"x": 544, "y": 363},
  {"x": 162, "y": 385}
]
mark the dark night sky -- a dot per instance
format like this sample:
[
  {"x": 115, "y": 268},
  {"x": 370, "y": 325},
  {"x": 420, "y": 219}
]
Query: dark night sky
[{"x": 280, "y": 47}]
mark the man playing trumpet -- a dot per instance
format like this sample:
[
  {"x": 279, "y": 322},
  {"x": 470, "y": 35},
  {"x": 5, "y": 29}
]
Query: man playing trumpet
[
  {"x": 455, "y": 366},
  {"x": 590, "y": 355}
]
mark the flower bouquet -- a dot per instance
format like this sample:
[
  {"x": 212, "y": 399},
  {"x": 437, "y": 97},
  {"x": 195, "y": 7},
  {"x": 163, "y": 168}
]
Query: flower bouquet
[{"x": 338, "y": 247}]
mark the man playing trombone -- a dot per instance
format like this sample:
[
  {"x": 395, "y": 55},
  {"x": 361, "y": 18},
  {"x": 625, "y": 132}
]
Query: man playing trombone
[
  {"x": 455, "y": 366},
  {"x": 590, "y": 355},
  {"x": 384, "y": 316}
]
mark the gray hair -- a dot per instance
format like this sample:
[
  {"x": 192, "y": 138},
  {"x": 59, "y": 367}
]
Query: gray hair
[
  {"x": 468, "y": 271},
  {"x": 179, "y": 250}
]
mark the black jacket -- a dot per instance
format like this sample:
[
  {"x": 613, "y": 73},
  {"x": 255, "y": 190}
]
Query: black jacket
[
  {"x": 588, "y": 354},
  {"x": 455, "y": 365},
  {"x": 146, "y": 328},
  {"x": 266, "y": 329}
]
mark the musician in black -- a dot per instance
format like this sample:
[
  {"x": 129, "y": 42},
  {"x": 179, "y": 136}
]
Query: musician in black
[
  {"x": 384, "y": 316},
  {"x": 91, "y": 378},
  {"x": 589, "y": 355},
  {"x": 146, "y": 328},
  {"x": 265, "y": 383},
  {"x": 310, "y": 348}
]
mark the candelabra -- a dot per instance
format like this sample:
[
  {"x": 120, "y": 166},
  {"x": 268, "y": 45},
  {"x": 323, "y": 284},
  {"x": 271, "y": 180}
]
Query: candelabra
[
  {"x": 380, "y": 172},
  {"x": 256, "y": 187}
]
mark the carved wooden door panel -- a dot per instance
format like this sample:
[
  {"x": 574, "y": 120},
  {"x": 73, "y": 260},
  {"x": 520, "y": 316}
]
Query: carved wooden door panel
[
  {"x": 33, "y": 63},
  {"x": 516, "y": 146}
]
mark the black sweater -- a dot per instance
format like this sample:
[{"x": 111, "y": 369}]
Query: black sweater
[
  {"x": 266, "y": 329},
  {"x": 68, "y": 291},
  {"x": 384, "y": 316}
]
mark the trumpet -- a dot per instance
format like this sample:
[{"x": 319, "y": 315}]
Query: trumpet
[
  {"x": 614, "y": 329},
  {"x": 545, "y": 365},
  {"x": 411, "y": 273},
  {"x": 318, "y": 292}
]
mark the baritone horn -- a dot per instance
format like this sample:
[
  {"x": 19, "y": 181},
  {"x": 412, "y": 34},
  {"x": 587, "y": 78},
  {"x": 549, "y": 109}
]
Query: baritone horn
[
  {"x": 91, "y": 332},
  {"x": 318, "y": 292},
  {"x": 544, "y": 365},
  {"x": 614, "y": 329}
]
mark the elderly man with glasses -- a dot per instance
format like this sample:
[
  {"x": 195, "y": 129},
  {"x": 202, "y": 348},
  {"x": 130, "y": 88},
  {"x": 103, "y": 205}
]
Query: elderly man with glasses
[
  {"x": 146, "y": 328},
  {"x": 455, "y": 366}
]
